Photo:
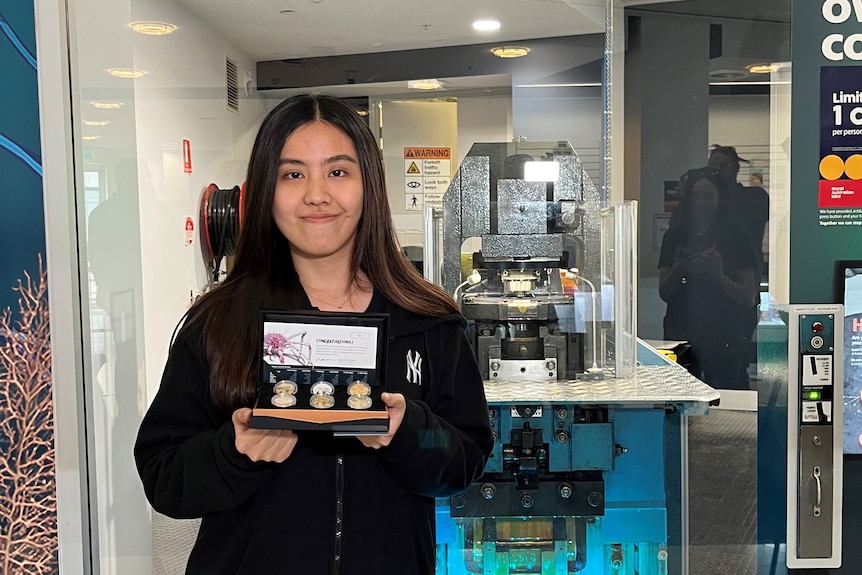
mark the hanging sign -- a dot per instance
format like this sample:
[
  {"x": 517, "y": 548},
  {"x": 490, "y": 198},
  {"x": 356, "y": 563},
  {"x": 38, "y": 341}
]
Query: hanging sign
[{"x": 427, "y": 173}]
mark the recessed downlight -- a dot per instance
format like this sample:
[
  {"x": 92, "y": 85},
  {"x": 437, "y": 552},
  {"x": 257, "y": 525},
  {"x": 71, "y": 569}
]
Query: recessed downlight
[
  {"x": 127, "y": 73},
  {"x": 486, "y": 25},
  {"x": 763, "y": 68},
  {"x": 95, "y": 123},
  {"x": 149, "y": 28},
  {"x": 510, "y": 51},
  {"x": 429, "y": 84},
  {"x": 106, "y": 105},
  {"x": 89, "y": 138}
]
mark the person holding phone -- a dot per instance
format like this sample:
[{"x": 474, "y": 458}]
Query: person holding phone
[{"x": 706, "y": 277}]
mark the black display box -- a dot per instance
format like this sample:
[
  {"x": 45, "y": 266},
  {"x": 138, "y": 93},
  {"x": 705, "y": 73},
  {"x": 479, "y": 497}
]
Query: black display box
[{"x": 322, "y": 371}]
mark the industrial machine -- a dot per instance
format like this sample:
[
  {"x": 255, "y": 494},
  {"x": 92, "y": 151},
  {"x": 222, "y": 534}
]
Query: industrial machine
[{"x": 586, "y": 475}]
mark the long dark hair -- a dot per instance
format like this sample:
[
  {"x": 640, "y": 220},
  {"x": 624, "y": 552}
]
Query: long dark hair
[
  {"x": 681, "y": 216},
  {"x": 263, "y": 275}
]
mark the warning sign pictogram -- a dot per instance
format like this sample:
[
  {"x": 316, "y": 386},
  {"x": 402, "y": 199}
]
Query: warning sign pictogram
[
  {"x": 428, "y": 153},
  {"x": 413, "y": 169}
]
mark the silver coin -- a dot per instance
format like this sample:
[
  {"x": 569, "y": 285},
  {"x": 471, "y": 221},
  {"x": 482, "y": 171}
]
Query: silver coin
[
  {"x": 284, "y": 400},
  {"x": 322, "y": 388},
  {"x": 359, "y": 388},
  {"x": 359, "y": 402},
  {"x": 322, "y": 401},
  {"x": 285, "y": 387}
]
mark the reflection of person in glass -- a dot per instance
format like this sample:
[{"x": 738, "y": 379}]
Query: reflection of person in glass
[
  {"x": 706, "y": 277},
  {"x": 114, "y": 255},
  {"x": 317, "y": 233},
  {"x": 748, "y": 207}
]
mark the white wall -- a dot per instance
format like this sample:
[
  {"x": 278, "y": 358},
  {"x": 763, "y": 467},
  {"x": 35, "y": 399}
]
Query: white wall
[
  {"x": 563, "y": 114},
  {"x": 185, "y": 100},
  {"x": 483, "y": 120}
]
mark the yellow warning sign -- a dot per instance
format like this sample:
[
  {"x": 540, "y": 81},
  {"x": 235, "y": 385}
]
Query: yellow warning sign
[
  {"x": 428, "y": 153},
  {"x": 413, "y": 169}
]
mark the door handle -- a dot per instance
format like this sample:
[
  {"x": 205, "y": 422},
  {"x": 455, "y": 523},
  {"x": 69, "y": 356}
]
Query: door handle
[{"x": 819, "y": 486}]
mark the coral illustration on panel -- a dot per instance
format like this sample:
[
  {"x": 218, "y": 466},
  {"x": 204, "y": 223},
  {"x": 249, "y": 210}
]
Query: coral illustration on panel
[
  {"x": 28, "y": 500},
  {"x": 281, "y": 348}
]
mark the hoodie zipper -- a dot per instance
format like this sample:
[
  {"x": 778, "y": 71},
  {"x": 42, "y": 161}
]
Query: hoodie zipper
[{"x": 339, "y": 512}]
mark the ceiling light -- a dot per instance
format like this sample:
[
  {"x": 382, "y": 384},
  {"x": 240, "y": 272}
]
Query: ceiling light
[
  {"x": 153, "y": 28},
  {"x": 128, "y": 73},
  {"x": 510, "y": 51},
  {"x": 89, "y": 138},
  {"x": 486, "y": 25},
  {"x": 106, "y": 105},
  {"x": 94, "y": 123},
  {"x": 565, "y": 85},
  {"x": 763, "y": 68},
  {"x": 766, "y": 83},
  {"x": 430, "y": 84}
]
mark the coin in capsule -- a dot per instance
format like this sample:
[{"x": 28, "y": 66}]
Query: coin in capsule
[
  {"x": 285, "y": 387},
  {"x": 359, "y": 402},
  {"x": 359, "y": 388},
  {"x": 321, "y": 401},
  {"x": 284, "y": 400},
  {"x": 322, "y": 388}
]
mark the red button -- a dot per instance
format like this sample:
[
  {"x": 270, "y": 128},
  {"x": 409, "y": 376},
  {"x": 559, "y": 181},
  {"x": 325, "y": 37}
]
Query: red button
[{"x": 817, "y": 327}]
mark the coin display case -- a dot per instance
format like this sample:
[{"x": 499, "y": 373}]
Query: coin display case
[{"x": 322, "y": 371}]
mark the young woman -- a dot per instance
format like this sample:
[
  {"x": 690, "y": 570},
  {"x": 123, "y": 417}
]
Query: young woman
[
  {"x": 317, "y": 234},
  {"x": 706, "y": 277}
]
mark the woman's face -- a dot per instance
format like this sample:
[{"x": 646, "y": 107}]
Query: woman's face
[
  {"x": 704, "y": 199},
  {"x": 318, "y": 192}
]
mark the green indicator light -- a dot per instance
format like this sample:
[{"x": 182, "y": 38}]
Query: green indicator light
[{"x": 813, "y": 395}]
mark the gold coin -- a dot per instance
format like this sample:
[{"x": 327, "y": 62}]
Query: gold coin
[
  {"x": 322, "y": 401},
  {"x": 359, "y": 388},
  {"x": 284, "y": 400},
  {"x": 831, "y": 167},
  {"x": 853, "y": 167},
  {"x": 285, "y": 387},
  {"x": 359, "y": 402},
  {"x": 322, "y": 388}
]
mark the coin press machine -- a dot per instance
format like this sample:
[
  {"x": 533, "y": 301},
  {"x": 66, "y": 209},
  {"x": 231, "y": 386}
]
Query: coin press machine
[{"x": 587, "y": 473}]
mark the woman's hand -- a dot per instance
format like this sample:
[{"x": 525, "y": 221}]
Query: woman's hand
[
  {"x": 712, "y": 263},
  {"x": 396, "y": 405},
  {"x": 273, "y": 445}
]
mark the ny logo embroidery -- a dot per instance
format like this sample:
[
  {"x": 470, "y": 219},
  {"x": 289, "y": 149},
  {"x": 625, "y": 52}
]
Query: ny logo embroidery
[{"x": 414, "y": 367}]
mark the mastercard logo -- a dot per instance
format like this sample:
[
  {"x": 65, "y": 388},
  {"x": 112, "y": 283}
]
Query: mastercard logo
[{"x": 833, "y": 167}]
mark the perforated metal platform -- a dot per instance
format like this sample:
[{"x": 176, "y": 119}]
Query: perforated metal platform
[{"x": 670, "y": 385}]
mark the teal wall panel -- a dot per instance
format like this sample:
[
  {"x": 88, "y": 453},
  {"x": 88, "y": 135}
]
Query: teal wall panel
[
  {"x": 28, "y": 503},
  {"x": 814, "y": 248}
]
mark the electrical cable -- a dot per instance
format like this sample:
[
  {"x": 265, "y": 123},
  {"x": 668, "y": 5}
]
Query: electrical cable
[{"x": 574, "y": 274}]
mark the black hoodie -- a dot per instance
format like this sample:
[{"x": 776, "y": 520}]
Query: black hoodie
[{"x": 334, "y": 506}]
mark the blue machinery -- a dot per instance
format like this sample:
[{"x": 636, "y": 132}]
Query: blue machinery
[{"x": 588, "y": 473}]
